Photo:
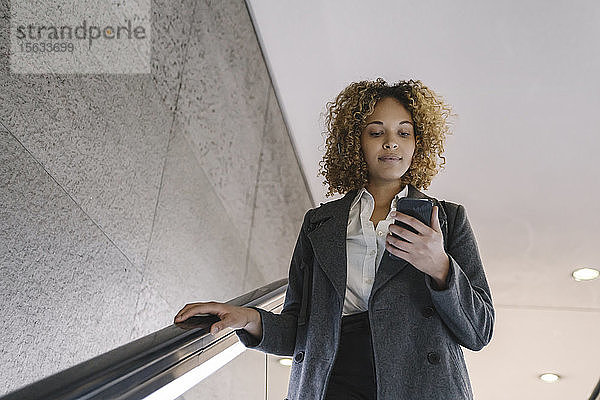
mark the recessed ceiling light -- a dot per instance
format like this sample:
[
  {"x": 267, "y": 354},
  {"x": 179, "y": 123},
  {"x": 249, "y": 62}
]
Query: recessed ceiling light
[
  {"x": 549, "y": 377},
  {"x": 585, "y": 274},
  {"x": 287, "y": 362}
]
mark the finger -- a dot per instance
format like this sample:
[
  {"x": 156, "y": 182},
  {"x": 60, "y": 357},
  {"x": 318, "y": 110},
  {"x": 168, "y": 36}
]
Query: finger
[
  {"x": 226, "y": 322},
  {"x": 403, "y": 233},
  {"x": 180, "y": 313},
  {"x": 415, "y": 223},
  {"x": 189, "y": 310},
  {"x": 216, "y": 327},
  {"x": 398, "y": 244},
  {"x": 435, "y": 222},
  {"x": 397, "y": 252}
]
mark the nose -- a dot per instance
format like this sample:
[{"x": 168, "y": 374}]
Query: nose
[{"x": 389, "y": 141}]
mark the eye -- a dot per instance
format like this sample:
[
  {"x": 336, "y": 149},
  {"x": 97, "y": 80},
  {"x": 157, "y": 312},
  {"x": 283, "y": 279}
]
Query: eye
[{"x": 404, "y": 134}]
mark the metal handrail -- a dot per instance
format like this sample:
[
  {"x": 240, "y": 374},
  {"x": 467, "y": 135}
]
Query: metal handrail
[
  {"x": 596, "y": 392},
  {"x": 139, "y": 368}
]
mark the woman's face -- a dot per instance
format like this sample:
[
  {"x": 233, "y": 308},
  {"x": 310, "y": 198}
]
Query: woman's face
[{"x": 388, "y": 132}]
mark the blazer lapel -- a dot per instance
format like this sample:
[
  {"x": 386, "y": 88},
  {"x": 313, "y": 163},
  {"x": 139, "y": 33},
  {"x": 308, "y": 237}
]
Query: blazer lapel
[
  {"x": 327, "y": 234},
  {"x": 328, "y": 238},
  {"x": 388, "y": 267}
]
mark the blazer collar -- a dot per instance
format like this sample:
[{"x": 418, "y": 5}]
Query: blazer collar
[{"x": 327, "y": 234}]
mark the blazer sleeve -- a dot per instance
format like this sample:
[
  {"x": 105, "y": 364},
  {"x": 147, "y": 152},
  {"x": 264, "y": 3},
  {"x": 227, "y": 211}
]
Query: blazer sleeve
[
  {"x": 465, "y": 305},
  {"x": 279, "y": 330}
]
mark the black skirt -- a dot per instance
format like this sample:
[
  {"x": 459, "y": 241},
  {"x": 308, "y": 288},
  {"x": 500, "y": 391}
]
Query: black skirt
[{"x": 353, "y": 374}]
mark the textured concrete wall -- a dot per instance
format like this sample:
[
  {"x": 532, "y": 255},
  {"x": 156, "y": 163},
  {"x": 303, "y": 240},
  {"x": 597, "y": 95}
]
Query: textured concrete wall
[{"x": 123, "y": 197}]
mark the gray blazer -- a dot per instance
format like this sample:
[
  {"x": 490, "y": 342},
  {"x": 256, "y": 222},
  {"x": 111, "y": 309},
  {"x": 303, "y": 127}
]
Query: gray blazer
[{"x": 417, "y": 330}]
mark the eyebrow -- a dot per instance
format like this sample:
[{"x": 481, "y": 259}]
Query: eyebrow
[{"x": 381, "y": 123}]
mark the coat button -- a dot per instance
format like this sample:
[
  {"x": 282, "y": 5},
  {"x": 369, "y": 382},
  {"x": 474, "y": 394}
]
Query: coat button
[
  {"x": 299, "y": 357},
  {"x": 427, "y": 311},
  {"x": 433, "y": 358}
]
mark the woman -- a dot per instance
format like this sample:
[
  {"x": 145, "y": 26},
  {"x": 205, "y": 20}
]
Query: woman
[{"x": 359, "y": 323}]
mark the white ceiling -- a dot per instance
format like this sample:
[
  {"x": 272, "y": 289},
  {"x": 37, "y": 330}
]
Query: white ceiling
[{"x": 523, "y": 77}]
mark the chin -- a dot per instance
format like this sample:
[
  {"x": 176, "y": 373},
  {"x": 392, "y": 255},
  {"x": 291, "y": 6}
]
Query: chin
[{"x": 393, "y": 178}]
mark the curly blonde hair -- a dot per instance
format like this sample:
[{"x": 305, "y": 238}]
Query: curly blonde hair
[{"x": 343, "y": 164}]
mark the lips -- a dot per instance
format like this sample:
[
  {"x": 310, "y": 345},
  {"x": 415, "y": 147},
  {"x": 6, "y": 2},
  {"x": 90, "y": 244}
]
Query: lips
[{"x": 389, "y": 158}]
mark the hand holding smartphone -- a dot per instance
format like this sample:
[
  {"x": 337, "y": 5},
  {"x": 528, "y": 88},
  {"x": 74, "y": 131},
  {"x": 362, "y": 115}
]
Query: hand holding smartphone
[{"x": 420, "y": 209}]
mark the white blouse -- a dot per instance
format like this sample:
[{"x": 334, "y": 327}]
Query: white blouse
[{"x": 365, "y": 246}]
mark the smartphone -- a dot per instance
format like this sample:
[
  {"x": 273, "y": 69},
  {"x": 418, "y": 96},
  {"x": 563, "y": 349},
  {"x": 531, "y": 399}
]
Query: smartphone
[{"x": 420, "y": 209}]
